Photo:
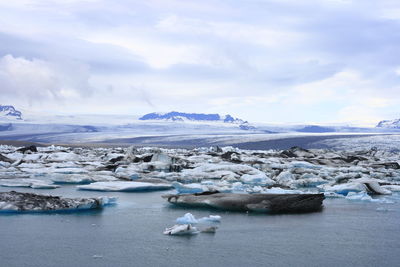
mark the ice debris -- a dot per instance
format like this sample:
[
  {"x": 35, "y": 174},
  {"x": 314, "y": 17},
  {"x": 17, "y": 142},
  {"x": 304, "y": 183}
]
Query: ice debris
[{"x": 207, "y": 169}]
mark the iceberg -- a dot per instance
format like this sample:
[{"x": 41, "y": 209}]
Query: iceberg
[
  {"x": 181, "y": 229},
  {"x": 344, "y": 189},
  {"x": 71, "y": 179},
  {"x": 188, "y": 218},
  {"x": 188, "y": 188},
  {"x": 210, "y": 218},
  {"x": 273, "y": 203},
  {"x": 363, "y": 196},
  {"x": 28, "y": 202},
  {"x": 32, "y": 183},
  {"x": 124, "y": 186},
  {"x": 257, "y": 179}
]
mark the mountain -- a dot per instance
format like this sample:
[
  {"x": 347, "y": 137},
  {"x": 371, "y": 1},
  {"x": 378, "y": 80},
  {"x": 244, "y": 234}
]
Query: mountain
[
  {"x": 10, "y": 112},
  {"x": 181, "y": 116},
  {"x": 392, "y": 124}
]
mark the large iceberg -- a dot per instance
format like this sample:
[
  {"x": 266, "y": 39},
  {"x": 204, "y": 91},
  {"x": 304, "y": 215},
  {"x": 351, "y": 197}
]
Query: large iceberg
[
  {"x": 275, "y": 203},
  {"x": 27, "y": 202}
]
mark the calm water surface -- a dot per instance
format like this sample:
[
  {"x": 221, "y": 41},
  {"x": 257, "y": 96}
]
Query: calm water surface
[{"x": 345, "y": 233}]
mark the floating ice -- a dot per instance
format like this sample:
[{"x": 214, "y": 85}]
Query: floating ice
[
  {"x": 181, "y": 229},
  {"x": 344, "y": 189},
  {"x": 63, "y": 156},
  {"x": 71, "y": 179},
  {"x": 188, "y": 188},
  {"x": 303, "y": 164},
  {"x": 32, "y": 183},
  {"x": 210, "y": 229},
  {"x": 363, "y": 196},
  {"x": 124, "y": 186},
  {"x": 210, "y": 218},
  {"x": 189, "y": 218},
  {"x": 258, "y": 178},
  {"x": 27, "y": 202}
]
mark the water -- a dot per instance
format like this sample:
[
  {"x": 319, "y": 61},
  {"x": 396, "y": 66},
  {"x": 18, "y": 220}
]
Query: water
[{"x": 130, "y": 234}]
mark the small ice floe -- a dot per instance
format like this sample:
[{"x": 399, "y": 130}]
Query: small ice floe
[
  {"x": 181, "y": 229},
  {"x": 393, "y": 188},
  {"x": 71, "y": 179},
  {"x": 363, "y": 196},
  {"x": 185, "y": 226},
  {"x": 278, "y": 190},
  {"x": 210, "y": 218},
  {"x": 210, "y": 230},
  {"x": 188, "y": 218},
  {"x": 63, "y": 156},
  {"x": 373, "y": 186},
  {"x": 257, "y": 178},
  {"x": 333, "y": 195},
  {"x": 188, "y": 188},
  {"x": 303, "y": 164},
  {"x": 97, "y": 256},
  {"x": 31, "y": 183},
  {"x": 344, "y": 189},
  {"x": 124, "y": 186}
]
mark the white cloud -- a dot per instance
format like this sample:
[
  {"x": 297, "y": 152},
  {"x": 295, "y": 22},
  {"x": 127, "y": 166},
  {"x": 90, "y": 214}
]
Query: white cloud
[
  {"x": 273, "y": 60},
  {"x": 38, "y": 80},
  {"x": 157, "y": 53},
  {"x": 231, "y": 31}
]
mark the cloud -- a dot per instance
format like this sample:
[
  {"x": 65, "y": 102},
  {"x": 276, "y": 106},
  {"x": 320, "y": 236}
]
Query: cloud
[
  {"x": 306, "y": 60},
  {"x": 38, "y": 80}
]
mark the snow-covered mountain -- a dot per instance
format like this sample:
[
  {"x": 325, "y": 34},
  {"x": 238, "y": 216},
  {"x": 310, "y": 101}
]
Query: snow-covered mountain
[
  {"x": 9, "y": 112},
  {"x": 181, "y": 116},
  {"x": 392, "y": 124}
]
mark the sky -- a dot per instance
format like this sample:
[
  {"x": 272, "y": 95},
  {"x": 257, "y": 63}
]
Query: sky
[{"x": 274, "y": 61}]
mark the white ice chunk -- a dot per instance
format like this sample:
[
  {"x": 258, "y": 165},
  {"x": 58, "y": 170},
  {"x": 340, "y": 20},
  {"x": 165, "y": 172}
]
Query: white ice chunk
[
  {"x": 181, "y": 229},
  {"x": 188, "y": 218},
  {"x": 71, "y": 179},
  {"x": 189, "y": 188},
  {"x": 285, "y": 178},
  {"x": 373, "y": 185},
  {"x": 363, "y": 196},
  {"x": 258, "y": 178},
  {"x": 32, "y": 183},
  {"x": 210, "y": 218},
  {"x": 303, "y": 164},
  {"x": 393, "y": 188},
  {"x": 124, "y": 186},
  {"x": 63, "y": 156},
  {"x": 344, "y": 189}
]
